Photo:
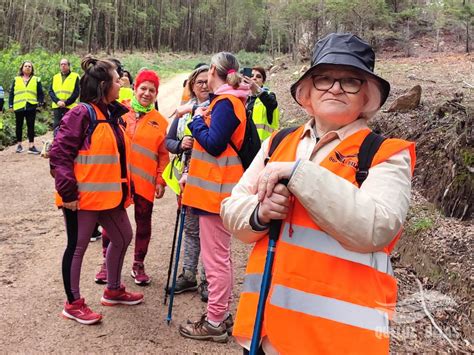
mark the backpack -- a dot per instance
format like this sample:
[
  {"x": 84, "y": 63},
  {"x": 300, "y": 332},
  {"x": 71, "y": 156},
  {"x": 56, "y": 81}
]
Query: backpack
[
  {"x": 92, "y": 124},
  {"x": 367, "y": 151},
  {"x": 250, "y": 145}
]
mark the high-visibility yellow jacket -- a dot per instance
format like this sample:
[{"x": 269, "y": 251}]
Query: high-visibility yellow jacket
[
  {"x": 259, "y": 117},
  {"x": 24, "y": 94},
  {"x": 64, "y": 89}
]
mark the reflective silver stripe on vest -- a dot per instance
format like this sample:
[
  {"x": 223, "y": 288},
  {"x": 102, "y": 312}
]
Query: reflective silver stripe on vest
[
  {"x": 96, "y": 159},
  {"x": 323, "y": 243},
  {"x": 210, "y": 186},
  {"x": 145, "y": 151},
  {"x": 264, "y": 127},
  {"x": 176, "y": 173},
  {"x": 99, "y": 186},
  {"x": 221, "y": 162},
  {"x": 252, "y": 283},
  {"x": 143, "y": 174},
  {"x": 330, "y": 308}
]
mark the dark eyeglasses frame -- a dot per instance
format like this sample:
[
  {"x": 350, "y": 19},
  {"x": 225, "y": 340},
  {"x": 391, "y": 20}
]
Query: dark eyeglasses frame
[
  {"x": 340, "y": 81},
  {"x": 200, "y": 83}
]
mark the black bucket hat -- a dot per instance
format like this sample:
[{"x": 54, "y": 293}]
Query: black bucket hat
[{"x": 344, "y": 49}]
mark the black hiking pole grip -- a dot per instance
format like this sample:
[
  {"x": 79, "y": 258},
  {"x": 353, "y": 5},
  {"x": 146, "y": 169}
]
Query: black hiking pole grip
[
  {"x": 274, "y": 233},
  {"x": 167, "y": 287}
]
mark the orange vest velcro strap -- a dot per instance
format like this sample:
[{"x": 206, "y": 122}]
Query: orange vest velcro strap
[
  {"x": 316, "y": 240},
  {"x": 143, "y": 174},
  {"x": 221, "y": 161},
  {"x": 99, "y": 186},
  {"x": 330, "y": 308},
  {"x": 96, "y": 159},
  {"x": 209, "y": 185},
  {"x": 146, "y": 152}
]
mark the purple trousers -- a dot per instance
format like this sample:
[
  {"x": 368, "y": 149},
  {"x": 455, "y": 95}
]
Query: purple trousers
[
  {"x": 79, "y": 227},
  {"x": 143, "y": 211}
]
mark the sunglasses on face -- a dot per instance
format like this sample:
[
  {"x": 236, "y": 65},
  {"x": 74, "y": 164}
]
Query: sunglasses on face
[{"x": 348, "y": 85}]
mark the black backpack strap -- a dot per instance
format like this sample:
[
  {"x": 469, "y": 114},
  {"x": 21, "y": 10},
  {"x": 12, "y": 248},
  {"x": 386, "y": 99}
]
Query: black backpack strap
[
  {"x": 367, "y": 151},
  {"x": 279, "y": 136}
]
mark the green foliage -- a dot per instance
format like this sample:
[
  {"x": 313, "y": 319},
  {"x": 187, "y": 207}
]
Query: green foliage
[
  {"x": 7, "y": 132},
  {"x": 45, "y": 64}
]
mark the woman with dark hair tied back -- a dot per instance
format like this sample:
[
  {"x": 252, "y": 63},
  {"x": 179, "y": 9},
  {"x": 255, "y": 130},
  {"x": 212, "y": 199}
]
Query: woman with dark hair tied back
[
  {"x": 89, "y": 160},
  {"x": 214, "y": 170}
]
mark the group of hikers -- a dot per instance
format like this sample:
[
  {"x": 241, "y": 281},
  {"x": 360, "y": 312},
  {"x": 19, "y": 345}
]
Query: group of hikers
[{"x": 330, "y": 195}]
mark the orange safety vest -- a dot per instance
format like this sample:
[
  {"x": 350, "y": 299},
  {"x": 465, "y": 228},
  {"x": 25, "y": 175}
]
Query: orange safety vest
[
  {"x": 323, "y": 298},
  {"x": 150, "y": 133},
  {"x": 98, "y": 171},
  {"x": 211, "y": 179}
]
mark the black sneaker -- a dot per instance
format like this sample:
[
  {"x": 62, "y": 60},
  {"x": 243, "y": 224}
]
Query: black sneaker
[
  {"x": 202, "y": 290},
  {"x": 96, "y": 235},
  {"x": 186, "y": 282},
  {"x": 19, "y": 148},
  {"x": 33, "y": 150}
]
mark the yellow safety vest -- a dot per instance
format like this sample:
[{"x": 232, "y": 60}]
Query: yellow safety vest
[
  {"x": 24, "y": 94},
  {"x": 174, "y": 170},
  {"x": 125, "y": 94},
  {"x": 64, "y": 89},
  {"x": 259, "y": 117}
]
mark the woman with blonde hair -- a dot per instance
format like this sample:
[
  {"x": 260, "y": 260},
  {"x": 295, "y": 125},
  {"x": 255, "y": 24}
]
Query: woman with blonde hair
[
  {"x": 332, "y": 288},
  {"x": 214, "y": 170}
]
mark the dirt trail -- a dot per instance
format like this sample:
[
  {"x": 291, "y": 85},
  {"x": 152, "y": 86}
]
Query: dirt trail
[{"x": 32, "y": 241}]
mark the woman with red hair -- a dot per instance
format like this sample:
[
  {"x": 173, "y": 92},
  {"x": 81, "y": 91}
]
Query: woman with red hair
[{"x": 146, "y": 128}]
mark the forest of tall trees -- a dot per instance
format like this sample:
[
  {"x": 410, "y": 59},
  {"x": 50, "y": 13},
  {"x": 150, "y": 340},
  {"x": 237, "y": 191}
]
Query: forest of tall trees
[{"x": 282, "y": 26}]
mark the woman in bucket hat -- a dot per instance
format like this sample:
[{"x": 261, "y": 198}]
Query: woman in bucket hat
[{"x": 332, "y": 287}]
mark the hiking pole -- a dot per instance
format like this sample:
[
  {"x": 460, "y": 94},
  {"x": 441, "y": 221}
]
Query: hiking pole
[
  {"x": 176, "y": 262},
  {"x": 275, "y": 226},
  {"x": 167, "y": 287}
]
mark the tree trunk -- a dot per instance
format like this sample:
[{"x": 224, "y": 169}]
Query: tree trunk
[
  {"x": 63, "y": 37},
  {"x": 116, "y": 25},
  {"x": 467, "y": 35},
  {"x": 91, "y": 26},
  {"x": 159, "y": 24}
]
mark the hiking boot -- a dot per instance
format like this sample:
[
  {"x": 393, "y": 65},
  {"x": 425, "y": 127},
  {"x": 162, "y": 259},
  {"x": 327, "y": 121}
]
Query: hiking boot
[
  {"x": 33, "y": 150},
  {"x": 80, "y": 312},
  {"x": 101, "y": 276},
  {"x": 138, "y": 273},
  {"x": 19, "y": 148},
  {"x": 229, "y": 324},
  {"x": 203, "y": 330},
  {"x": 186, "y": 282},
  {"x": 120, "y": 296},
  {"x": 202, "y": 290}
]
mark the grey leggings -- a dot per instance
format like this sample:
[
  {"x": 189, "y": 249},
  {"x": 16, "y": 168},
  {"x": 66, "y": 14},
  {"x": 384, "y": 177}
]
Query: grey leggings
[{"x": 192, "y": 245}]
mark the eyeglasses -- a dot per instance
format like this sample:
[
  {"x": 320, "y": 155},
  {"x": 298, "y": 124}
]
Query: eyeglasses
[
  {"x": 348, "y": 85},
  {"x": 201, "y": 83}
]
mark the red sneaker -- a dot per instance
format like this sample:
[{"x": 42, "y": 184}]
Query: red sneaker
[
  {"x": 139, "y": 274},
  {"x": 101, "y": 276},
  {"x": 120, "y": 296},
  {"x": 80, "y": 312}
]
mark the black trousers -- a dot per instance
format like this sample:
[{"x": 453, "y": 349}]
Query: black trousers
[
  {"x": 259, "y": 351},
  {"x": 58, "y": 115},
  {"x": 30, "y": 116}
]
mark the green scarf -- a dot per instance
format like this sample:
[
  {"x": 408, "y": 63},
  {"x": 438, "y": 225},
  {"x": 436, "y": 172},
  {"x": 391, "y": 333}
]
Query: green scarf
[{"x": 137, "y": 107}]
